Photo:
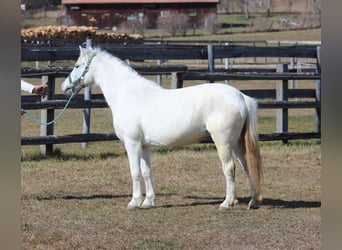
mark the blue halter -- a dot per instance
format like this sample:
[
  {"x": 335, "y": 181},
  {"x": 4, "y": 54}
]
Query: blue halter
[{"x": 79, "y": 80}]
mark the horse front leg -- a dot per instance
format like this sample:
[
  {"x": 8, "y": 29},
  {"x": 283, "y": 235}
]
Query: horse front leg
[
  {"x": 147, "y": 175},
  {"x": 134, "y": 153}
]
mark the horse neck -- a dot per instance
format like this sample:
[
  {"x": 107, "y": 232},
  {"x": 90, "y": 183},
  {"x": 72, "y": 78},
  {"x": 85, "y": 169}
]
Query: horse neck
[{"x": 115, "y": 79}]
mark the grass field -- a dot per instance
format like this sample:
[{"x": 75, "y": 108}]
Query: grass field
[{"x": 77, "y": 200}]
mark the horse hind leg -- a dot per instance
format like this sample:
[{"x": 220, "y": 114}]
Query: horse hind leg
[
  {"x": 224, "y": 151},
  {"x": 239, "y": 154}
]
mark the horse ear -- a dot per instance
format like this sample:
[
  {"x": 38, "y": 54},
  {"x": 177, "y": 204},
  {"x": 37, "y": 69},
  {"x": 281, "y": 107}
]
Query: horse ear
[
  {"x": 82, "y": 51},
  {"x": 90, "y": 51}
]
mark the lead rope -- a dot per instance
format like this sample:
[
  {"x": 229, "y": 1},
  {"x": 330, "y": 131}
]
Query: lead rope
[
  {"x": 35, "y": 120},
  {"x": 78, "y": 80}
]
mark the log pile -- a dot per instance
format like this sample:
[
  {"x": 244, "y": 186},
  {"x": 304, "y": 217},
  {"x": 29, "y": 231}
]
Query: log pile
[{"x": 70, "y": 32}]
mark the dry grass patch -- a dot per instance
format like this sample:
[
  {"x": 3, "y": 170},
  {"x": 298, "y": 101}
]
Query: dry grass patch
[{"x": 78, "y": 201}]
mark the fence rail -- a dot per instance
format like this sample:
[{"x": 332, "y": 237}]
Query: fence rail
[
  {"x": 109, "y": 136},
  {"x": 277, "y": 98},
  {"x": 168, "y": 52}
]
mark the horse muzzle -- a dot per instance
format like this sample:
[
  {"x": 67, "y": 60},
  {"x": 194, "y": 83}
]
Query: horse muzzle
[{"x": 67, "y": 88}]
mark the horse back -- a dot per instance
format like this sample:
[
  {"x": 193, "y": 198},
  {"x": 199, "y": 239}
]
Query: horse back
[{"x": 184, "y": 116}]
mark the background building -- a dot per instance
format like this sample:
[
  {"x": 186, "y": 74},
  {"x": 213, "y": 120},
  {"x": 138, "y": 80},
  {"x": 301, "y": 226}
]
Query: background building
[{"x": 113, "y": 13}]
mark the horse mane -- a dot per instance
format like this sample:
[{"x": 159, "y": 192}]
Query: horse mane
[{"x": 105, "y": 54}]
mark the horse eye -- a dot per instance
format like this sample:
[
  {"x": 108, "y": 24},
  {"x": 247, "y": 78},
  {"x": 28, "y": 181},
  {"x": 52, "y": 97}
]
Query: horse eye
[{"x": 77, "y": 65}]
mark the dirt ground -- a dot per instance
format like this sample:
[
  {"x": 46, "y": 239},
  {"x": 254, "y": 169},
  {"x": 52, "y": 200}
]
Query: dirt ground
[{"x": 74, "y": 201}]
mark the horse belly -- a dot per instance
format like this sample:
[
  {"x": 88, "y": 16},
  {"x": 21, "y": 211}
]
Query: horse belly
[{"x": 169, "y": 133}]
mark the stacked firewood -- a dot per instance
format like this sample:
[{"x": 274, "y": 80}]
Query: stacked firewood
[{"x": 70, "y": 32}]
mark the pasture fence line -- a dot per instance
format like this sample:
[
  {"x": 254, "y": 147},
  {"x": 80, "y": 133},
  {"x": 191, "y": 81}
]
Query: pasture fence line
[{"x": 212, "y": 52}]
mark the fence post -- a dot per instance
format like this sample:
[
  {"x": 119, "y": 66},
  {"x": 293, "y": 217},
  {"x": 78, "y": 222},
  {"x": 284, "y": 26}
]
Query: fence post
[
  {"x": 179, "y": 80},
  {"x": 159, "y": 77},
  {"x": 173, "y": 80},
  {"x": 282, "y": 95},
  {"x": 47, "y": 115},
  {"x": 254, "y": 46},
  {"x": 86, "y": 111},
  {"x": 43, "y": 118},
  {"x": 226, "y": 64},
  {"x": 211, "y": 59},
  {"x": 318, "y": 92},
  {"x": 279, "y": 58}
]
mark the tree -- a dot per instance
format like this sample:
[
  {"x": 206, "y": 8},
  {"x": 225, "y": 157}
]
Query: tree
[
  {"x": 211, "y": 23},
  {"x": 173, "y": 23},
  {"x": 315, "y": 6},
  {"x": 312, "y": 18},
  {"x": 268, "y": 7},
  {"x": 243, "y": 5},
  {"x": 224, "y": 4},
  {"x": 245, "y": 8}
]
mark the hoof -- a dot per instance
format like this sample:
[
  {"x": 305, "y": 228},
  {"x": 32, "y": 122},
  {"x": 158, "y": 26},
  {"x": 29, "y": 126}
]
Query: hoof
[
  {"x": 226, "y": 206},
  {"x": 130, "y": 207},
  {"x": 134, "y": 204},
  {"x": 143, "y": 206},
  {"x": 148, "y": 203},
  {"x": 253, "y": 205},
  {"x": 222, "y": 208}
]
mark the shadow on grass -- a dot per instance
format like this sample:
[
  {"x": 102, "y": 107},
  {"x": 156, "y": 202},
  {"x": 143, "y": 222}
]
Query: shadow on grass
[
  {"x": 199, "y": 201},
  {"x": 273, "y": 203},
  {"x": 82, "y": 197},
  {"x": 276, "y": 203},
  {"x": 85, "y": 197},
  {"x": 57, "y": 154}
]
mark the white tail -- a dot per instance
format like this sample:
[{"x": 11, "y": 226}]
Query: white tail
[{"x": 251, "y": 140}]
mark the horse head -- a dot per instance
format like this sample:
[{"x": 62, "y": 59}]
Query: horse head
[{"x": 80, "y": 76}]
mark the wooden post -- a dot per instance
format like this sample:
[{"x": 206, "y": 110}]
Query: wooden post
[
  {"x": 86, "y": 111},
  {"x": 211, "y": 58},
  {"x": 37, "y": 62},
  {"x": 43, "y": 118},
  {"x": 292, "y": 66},
  {"x": 159, "y": 77},
  {"x": 282, "y": 95},
  {"x": 265, "y": 58},
  {"x": 173, "y": 80},
  {"x": 254, "y": 46},
  {"x": 318, "y": 93},
  {"x": 279, "y": 58},
  {"x": 47, "y": 115},
  {"x": 294, "y": 63},
  {"x": 226, "y": 64},
  {"x": 179, "y": 83}
]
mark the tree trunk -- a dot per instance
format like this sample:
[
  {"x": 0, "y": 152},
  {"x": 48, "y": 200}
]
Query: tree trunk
[
  {"x": 245, "y": 7},
  {"x": 268, "y": 7}
]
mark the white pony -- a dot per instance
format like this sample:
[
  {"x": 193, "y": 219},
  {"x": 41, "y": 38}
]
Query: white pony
[{"x": 146, "y": 114}]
